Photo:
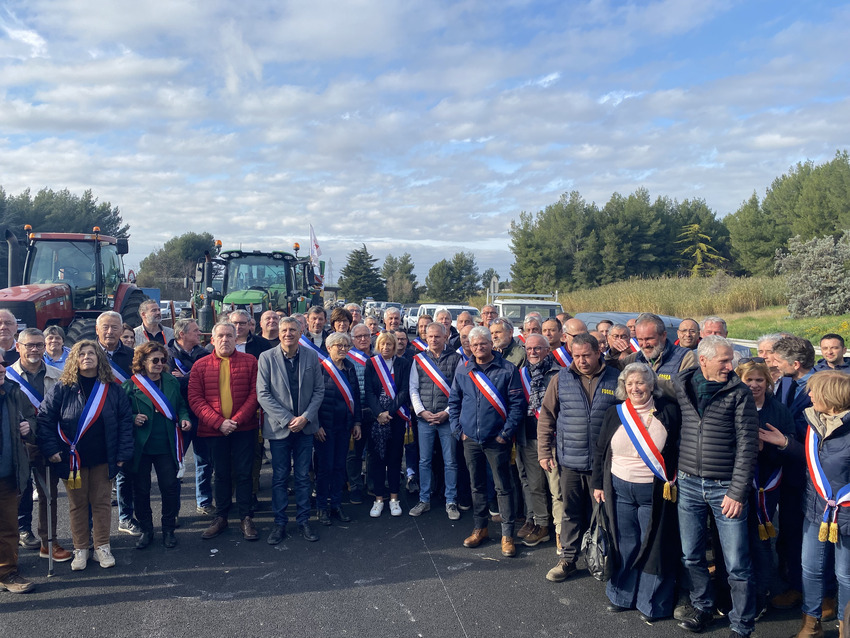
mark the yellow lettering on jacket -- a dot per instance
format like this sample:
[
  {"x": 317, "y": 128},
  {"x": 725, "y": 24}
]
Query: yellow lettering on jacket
[{"x": 607, "y": 391}]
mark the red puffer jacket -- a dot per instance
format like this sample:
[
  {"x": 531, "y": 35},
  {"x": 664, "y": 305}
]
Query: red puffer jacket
[{"x": 205, "y": 399}]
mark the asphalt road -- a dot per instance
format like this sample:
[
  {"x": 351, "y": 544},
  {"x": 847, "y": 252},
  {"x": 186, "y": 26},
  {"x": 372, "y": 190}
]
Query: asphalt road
[{"x": 390, "y": 577}]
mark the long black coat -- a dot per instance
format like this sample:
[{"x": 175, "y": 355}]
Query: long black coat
[{"x": 660, "y": 552}]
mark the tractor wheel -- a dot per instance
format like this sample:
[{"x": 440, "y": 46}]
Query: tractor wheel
[
  {"x": 130, "y": 311},
  {"x": 80, "y": 330}
]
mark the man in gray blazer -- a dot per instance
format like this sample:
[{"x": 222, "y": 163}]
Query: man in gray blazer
[{"x": 290, "y": 389}]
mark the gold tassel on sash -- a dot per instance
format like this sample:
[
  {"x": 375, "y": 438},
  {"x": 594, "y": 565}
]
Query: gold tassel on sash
[
  {"x": 408, "y": 434},
  {"x": 670, "y": 492},
  {"x": 833, "y": 532},
  {"x": 763, "y": 533},
  {"x": 74, "y": 481},
  {"x": 823, "y": 532},
  {"x": 771, "y": 530}
]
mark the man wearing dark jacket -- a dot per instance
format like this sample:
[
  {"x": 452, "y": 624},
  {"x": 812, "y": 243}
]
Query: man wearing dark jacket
[
  {"x": 570, "y": 419},
  {"x": 185, "y": 349},
  {"x": 717, "y": 454},
  {"x": 656, "y": 350},
  {"x": 486, "y": 407}
]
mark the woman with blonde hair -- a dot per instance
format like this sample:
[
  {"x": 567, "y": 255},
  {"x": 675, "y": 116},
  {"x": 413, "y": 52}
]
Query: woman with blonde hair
[
  {"x": 388, "y": 397},
  {"x": 85, "y": 428},
  {"x": 826, "y": 528}
]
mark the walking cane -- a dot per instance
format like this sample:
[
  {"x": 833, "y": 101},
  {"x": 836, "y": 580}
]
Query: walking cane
[{"x": 45, "y": 488}]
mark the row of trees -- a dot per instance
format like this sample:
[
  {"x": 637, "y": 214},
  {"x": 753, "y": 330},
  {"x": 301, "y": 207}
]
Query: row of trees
[
  {"x": 574, "y": 244},
  {"x": 166, "y": 267}
]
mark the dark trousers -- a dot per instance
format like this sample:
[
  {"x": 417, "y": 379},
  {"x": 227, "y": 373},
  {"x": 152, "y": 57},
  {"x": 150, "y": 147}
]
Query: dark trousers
[
  {"x": 789, "y": 544},
  {"x": 464, "y": 481},
  {"x": 578, "y": 504},
  {"x": 330, "y": 463},
  {"x": 411, "y": 449},
  {"x": 232, "y": 458},
  {"x": 498, "y": 457},
  {"x": 354, "y": 460},
  {"x": 8, "y": 526},
  {"x": 25, "y": 507},
  {"x": 169, "y": 489},
  {"x": 385, "y": 473}
]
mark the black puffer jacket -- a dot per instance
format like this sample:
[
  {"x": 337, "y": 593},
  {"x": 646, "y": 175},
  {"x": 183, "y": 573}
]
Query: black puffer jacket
[{"x": 723, "y": 443}]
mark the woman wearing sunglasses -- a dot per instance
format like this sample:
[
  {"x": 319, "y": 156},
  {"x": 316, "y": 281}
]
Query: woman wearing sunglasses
[{"x": 160, "y": 416}]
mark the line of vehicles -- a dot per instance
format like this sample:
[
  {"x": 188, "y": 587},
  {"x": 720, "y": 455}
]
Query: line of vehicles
[{"x": 69, "y": 279}]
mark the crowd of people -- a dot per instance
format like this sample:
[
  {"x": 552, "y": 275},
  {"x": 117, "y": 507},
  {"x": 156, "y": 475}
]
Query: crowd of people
[{"x": 725, "y": 477}]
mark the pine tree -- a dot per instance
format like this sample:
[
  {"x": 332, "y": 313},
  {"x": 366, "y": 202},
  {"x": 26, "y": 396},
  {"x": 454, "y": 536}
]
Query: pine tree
[{"x": 361, "y": 278}]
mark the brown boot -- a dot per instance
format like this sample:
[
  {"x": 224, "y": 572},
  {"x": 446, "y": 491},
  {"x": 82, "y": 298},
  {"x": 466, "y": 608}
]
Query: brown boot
[
  {"x": 218, "y": 525},
  {"x": 249, "y": 532},
  {"x": 526, "y": 529},
  {"x": 478, "y": 536},
  {"x": 829, "y": 609},
  {"x": 508, "y": 547},
  {"x": 811, "y": 628},
  {"x": 540, "y": 534}
]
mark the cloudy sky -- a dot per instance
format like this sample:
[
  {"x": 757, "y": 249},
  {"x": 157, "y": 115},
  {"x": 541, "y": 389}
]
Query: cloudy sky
[{"x": 419, "y": 126}]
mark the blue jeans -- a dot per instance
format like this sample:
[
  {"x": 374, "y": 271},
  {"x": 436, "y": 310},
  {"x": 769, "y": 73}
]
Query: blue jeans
[
  {"x": 330, "y": 463},
  {"x": 818, "y": 558},
  {"x": 203, "y": 469},
  {"x": 124, "y": 489},
  {"x": 696, "y": 496},
  {"x": 652, "y": 594},
  {"x": 427, "y": 434},
  {"x": 294, "y": 451}
]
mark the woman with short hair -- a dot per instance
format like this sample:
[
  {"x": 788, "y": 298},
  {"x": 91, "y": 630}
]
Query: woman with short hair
[
  {"x": 341, "y": 320},
  {"x": 160, "y": 416},
  {"x": 634, "y": 472},
  {"x": 55, "y": 350},
  {"x": 94, "y": 418}
]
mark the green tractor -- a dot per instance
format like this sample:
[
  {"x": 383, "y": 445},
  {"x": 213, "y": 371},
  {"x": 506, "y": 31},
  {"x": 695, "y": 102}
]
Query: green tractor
[{"x": 255, "y": 281}]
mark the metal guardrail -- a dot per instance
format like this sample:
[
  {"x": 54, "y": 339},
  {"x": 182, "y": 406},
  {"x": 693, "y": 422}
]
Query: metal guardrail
[{"x": 752, "y": 344}]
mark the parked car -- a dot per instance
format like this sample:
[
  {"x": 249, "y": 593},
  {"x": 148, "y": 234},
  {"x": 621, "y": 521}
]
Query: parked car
[
  {"x": 517, "y": 309},
  {"x": 411, "y": 320}
]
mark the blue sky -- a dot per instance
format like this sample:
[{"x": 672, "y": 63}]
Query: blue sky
[{"x": 421, "y": 127}]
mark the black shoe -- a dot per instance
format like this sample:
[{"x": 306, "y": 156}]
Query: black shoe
[
  {"x": 323, "y": 517},
  {"x": 144, "y": 540},
  {"x": 308, "y": 533},
  {"x": 339, "y": 515},
  {"x": 169, "y": 539},
  {"x": 698, "y": 621},
  {"x": 651, "y": 619},
  {"x": 277, "y": 535},
  {"x": 616, "y": 609}
]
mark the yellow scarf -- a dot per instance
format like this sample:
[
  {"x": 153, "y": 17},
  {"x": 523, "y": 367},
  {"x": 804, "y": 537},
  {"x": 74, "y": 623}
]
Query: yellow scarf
[{"x": 224, "y": 386}]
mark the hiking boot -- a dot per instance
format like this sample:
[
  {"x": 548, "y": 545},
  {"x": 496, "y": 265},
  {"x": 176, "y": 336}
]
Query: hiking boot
[
  {"x": 508, "y": 547},
  {"x": 828, "y": 609},
  {"x": 811, "y": 628},
  {"x": 324, "y": 517},
  {"x": 540, "y": 534},
  {"x": 560, "y": 572},
  {"x": 477, "y": 537},
  {"x": 526, "y": 529}
]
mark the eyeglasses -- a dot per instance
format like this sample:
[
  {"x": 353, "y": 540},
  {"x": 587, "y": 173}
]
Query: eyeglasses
[
  {"x": 534, "y": 348},
  {"x": 752, "y": 360},
  {"x": 32, "y": 346},
  {"x": 341, "y": 346},
  {"x": 156, "y": 360}
]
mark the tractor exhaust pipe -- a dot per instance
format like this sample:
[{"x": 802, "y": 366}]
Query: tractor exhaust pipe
[{"x": 15, "y": 268}]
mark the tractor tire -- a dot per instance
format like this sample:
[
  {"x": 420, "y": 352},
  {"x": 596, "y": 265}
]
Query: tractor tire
[
  {"x": 130, "y": 311},
  {"x": 80, "y": 330}
]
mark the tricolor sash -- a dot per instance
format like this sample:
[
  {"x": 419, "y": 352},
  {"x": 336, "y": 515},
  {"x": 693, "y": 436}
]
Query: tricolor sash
[
  {"x": 525, "y": 376},
  {"x": 765, "y": 527},
  {"x": 358, "y": 356},
  {"x": 32, "y": 394},
  {"x": 388, "y": 383},
  {"x": 304, "y": 341},
  {"x": 120, "y": 375},
  {"x": 633, "y": 344},
  {"x": 563, "y": 357},
  {"x": 90, "y": 414},
  {"x": 341, "y": 382},
  {"x": 419, "y": 344},
  {"x": 828, "y": 529},
  {"x": 162, "y": 405},
  {"x": 486, "y": 387},
  {"x": 645, "y": 447},
  {"x": 521, "y": 338},
  {"x": 434, "y": 373},
  {"x": 462, "y": 354},
  {"x": 180, "y": 366}
]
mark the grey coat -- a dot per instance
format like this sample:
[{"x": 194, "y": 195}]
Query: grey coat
[{"x": 275, "y": 399}]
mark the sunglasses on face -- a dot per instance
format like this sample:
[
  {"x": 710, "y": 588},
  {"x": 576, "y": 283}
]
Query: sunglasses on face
[
  {"x": 156, "y": 360},
  {"x": 752, "y": 360}
]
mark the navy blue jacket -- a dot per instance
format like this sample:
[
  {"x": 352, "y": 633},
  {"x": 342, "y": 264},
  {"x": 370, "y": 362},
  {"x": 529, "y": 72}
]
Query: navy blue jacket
[
  {"x": 334, "y": 410},
  {"x": 834, "y": 454},
  {"x": 64, "y": 404},
  {"x": 470, "y": 413}
]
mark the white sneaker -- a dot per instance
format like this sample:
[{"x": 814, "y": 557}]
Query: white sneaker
[
  {"x": 395, "y": 507},
  {"x": 81, "y": 559},
  {"x": 377, "y": 508},
  {"x": 103, "y": 555}
]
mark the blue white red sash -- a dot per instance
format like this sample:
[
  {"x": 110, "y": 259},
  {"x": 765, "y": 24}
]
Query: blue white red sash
[
  {"x": 304, "y": 341},
  {"x": 180, "y": 366},
  {"x": 486, "y": 387},
  {"x": 646, "y": 448},
  {"x": 120, "y": 375},
  {"x": 91, "y": 412},
  {"x": 32, "y": 394},
  {"x": 521, "y": 337},
  {"x": 563, "y": 357},
  {"x": 434, "y": 373},
  {"x": 765, "y": 527},
  {"x": 358, "y": 356},
  {"x": 341, "y": 382},
  {"x": 633, "y": 344},
  {"x": 388, "y": 383},
  {"x": 162, "y": 405},
  {"x": 525, "y": 376},
  {"x": 828, "y": 529},
  {"x": 419, "y": 344},
  {"x": 462, "y": 354}
]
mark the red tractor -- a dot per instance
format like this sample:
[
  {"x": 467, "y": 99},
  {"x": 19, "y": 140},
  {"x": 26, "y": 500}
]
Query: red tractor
[{"x": 68, "y": 279}]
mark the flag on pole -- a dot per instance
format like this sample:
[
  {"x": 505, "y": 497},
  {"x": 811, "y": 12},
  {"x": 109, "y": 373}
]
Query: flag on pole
[{"x": 315, "y": 253}]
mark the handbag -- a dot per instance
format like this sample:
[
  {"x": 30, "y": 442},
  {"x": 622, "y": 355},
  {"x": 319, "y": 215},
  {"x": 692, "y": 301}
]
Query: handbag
[{"x": 596, "y": 545}]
